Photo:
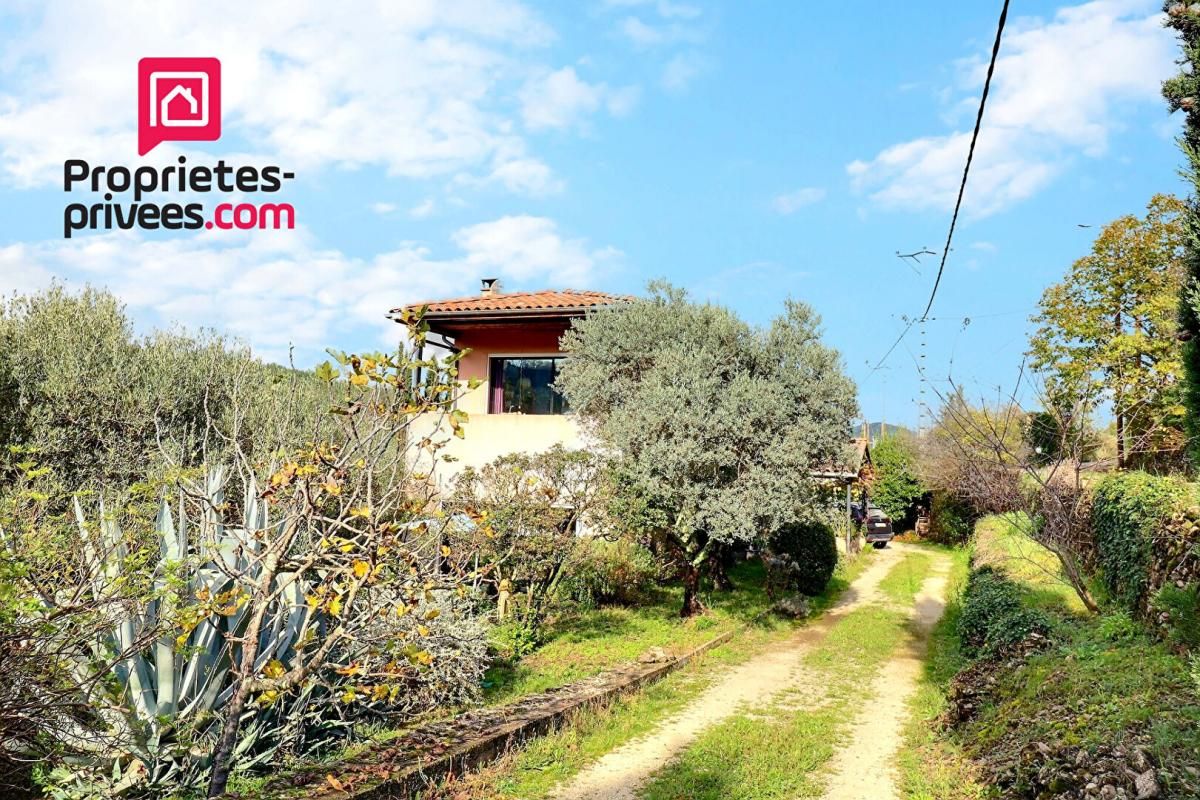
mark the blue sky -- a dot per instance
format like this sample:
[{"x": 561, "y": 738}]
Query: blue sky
[{"x": 747, "y": 151}]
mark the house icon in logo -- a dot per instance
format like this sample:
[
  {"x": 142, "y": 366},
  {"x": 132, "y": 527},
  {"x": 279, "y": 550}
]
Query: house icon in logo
[
  {"x": 192, "y": 113},
  {"x": 179, "y": 99}
]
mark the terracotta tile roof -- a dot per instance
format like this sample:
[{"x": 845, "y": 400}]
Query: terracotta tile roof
[{"x": 547, "y": 300}]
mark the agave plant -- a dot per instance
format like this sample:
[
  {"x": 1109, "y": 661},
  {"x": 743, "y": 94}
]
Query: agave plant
[{"x": 174, "y": 655}]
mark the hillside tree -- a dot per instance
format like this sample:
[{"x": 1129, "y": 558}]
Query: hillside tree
[{"x": 1107, "y": 331}]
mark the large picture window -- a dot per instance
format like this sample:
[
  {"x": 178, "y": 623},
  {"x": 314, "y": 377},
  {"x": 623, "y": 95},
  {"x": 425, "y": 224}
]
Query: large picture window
[{"x": 525, "y": 386}]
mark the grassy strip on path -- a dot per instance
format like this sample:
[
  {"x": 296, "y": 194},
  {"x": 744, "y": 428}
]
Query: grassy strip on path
[
  {"x": 776, "y": 752},
  {"x": 533, "y": 772},
  {"x": 904, "y": 580}
]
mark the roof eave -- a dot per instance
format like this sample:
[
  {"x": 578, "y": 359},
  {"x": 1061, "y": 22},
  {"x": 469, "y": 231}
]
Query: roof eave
[{"x": 476, "y": 315}]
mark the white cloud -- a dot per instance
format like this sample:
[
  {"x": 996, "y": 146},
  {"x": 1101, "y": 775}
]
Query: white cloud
[
  {"x": 561, "y": 99},
  {"x": 19, "y": 272},
  {"x": 640, "y": 33},
  {"x": 664, "y": 8},
  {"x": 527, "y": 176},
  {"x": 659, "y": 23},
  {"x": 525, "y": 246},
  {"x": 273, "y": 289},
  {"x": 423, "y": 209},
  {"x": 518, "y": 172},
  {"x": 416, "y": 88},
  {"x": 383, "y": 209},
  {"x": 1059, "y": 90},
  {"x": 680, "y": 71},
  {"x": 792, "y": 202}
]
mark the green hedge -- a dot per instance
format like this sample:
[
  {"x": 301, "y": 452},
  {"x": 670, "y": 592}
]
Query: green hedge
[
  {"x": 950, "y": 519},
  {"x": 1183, "y": 606},
  {"x": 1128, "y": 509},
  {"x": 993, "y": 617}
]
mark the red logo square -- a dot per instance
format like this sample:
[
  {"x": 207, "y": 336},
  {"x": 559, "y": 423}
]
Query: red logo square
[{"x": 179, "y": 100}]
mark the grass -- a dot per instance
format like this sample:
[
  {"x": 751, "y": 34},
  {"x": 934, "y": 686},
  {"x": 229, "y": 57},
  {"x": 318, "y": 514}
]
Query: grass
[
  {"x": 532, "y": 772},
  {"x": 1092, "y": 691},
  {"x": 904, "y": 580},
  {"x": 777, "y": 752},
  {"x": 751, "y": 757},
  {"x": 999, "y": 541},
  {"x": 580, "y": 644}
]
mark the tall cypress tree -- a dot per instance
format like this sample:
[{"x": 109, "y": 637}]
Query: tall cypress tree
[{"x": 1183, "y": 94}]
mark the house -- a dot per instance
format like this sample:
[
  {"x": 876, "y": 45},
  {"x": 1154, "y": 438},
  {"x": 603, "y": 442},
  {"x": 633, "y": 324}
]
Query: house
[
  {"x": 848, "y": 480},
  {"x": 178, "y": 91},
  {"x": 853, "y": 468},
  {"x": 512, "y": 344}
]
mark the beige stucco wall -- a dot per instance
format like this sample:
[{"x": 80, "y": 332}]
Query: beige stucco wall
[{"x": 488, "y": 436}]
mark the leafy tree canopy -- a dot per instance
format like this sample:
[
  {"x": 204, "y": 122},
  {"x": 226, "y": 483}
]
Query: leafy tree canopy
[
  {"x": 898, "y": 484},
  {"x": 104, "y": 407},
  {"x": 1107, "y": 332},
  {"x": 717, "y": 424}
]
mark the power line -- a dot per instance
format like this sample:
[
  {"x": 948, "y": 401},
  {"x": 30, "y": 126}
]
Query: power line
[
  {"x": 987, "y": 85},
  {"x": 899, "y": 339},
  {"x": 962, "y": 187}
]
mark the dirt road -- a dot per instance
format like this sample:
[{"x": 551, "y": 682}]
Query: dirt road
[
  {"x": 864, "y": 768},
  {"x": 860, "y": 769}
]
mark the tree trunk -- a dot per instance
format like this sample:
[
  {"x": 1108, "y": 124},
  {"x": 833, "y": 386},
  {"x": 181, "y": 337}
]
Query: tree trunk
[
  {"x": 691, "y": 591},
  {"x": 222, "y": 757},
  {"x": 1117, "y": 410},
  {"x": 1120, "y": 438},
  {"x": 1075, "y": 577},
  {"x": 720, "y": 572}
]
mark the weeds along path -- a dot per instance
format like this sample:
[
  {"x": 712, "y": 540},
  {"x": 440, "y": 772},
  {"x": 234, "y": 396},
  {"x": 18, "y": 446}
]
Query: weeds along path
[
  {"x": 619, "y": 774},
  {"x": 864, "y": 769}
]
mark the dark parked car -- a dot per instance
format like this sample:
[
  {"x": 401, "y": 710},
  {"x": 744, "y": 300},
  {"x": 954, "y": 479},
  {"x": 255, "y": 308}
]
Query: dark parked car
[{"x": 877, "y": 527}]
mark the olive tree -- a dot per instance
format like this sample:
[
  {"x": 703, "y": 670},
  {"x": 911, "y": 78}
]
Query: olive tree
[
  {"x": 105, "y": 407},
  {"x": 715, "y": 425}
]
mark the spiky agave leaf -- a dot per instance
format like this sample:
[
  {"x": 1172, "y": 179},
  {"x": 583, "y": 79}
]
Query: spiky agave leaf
[{"x": 173, "y": 690}]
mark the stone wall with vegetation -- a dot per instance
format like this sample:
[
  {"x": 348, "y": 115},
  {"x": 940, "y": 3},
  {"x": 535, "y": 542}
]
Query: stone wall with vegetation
[{"x": 1147, "y": 538}]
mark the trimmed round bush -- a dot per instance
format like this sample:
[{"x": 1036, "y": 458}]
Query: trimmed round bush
[{"x": 803, "y": 555}]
